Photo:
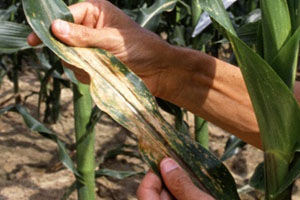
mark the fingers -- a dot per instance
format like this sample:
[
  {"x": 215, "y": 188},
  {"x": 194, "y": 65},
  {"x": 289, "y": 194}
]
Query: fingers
[
  {"x": 165, "y": 195},
  {"x": 86, "y": 13},
  {"x": 179, "y": 183},
  {"x": 33, "y": 39},
  {"x": 82, "y": 36},
  {"x": 150, "y": 187}
]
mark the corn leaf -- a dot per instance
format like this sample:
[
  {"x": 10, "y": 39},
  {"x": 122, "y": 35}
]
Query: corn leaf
[
  {"x": 128, "y": 102},
  {"x": 292, "y": 176},
  {"x": 13, "y": 37},
  {"x": 288, "y": 58},
  {"x": 276, "y": 109},
  {"x": 257, "y": 180},
  {"x": 36, "y": 126},
  {"x": 116, "y": 174},
  {"x": 233, "y": 147},
  {"x": 276, "y": 26},
  {"x": 294, "y": 6},
  {"x": 248, "y": 32},
  {"x": 6, "y": 13},
  {"x": 148, "y": 17}
]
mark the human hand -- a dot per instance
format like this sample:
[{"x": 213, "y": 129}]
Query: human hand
[
  {"x": 100, "y": 24},
  {"x": 175, "y": 179}
]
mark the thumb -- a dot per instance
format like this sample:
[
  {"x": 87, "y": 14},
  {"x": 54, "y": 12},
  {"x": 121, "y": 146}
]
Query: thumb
[
  {"x": 179, "y": 183},
  {"x": 81, "y": 36}
]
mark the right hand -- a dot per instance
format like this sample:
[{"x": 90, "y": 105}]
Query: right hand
[{"x": 100, "y": 24}]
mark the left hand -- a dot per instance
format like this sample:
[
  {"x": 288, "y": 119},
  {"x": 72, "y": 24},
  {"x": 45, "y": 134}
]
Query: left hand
[{"x": 175, "y": 179}]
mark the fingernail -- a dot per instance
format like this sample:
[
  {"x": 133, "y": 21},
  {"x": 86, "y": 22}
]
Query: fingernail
[
  {"x": 62, "y": 27},
  {"x": 168, "y": 165}
]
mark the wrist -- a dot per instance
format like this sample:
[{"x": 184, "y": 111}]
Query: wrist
[{"x": 181, "y": 64}]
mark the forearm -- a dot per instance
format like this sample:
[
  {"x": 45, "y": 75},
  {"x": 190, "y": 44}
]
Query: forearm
[{"x": 212, "y": 89}]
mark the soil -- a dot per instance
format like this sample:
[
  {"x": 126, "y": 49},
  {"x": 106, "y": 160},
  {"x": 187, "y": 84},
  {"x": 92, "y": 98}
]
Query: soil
[{"x": 30, "y": 169}]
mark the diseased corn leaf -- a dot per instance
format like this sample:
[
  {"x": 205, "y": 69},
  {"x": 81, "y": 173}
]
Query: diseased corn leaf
[
  {"x": 121, "y": 94},
  {"x": 148, "y": 17},
  {"x": 13, "y": 37},
  {"x": 276, "y": 26},
  {"x": 35, "y": 125},
  {"x": 276, "y": 109}
]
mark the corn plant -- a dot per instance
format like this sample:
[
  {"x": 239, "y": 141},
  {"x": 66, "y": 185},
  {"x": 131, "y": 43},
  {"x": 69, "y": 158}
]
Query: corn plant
[
  {"x": 129, "y": 102},
  {"x": 268, "y": 70},
  {"x": 269, "y": 74}
]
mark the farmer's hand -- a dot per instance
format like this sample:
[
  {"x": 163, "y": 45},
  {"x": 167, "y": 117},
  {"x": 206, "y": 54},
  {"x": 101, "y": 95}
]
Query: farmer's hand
[
  {"x": 100, "y": 24},
  {"x": 175, "y": 179}
]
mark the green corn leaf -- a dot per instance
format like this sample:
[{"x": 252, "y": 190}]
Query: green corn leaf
[
  {"x": 69, "y": 191},
  {"x": 128, "y": 102},
  {"x": 201, "y": 131},
  {"x": 116, "y": 174},
  {"x": 276, "y": 109},
  {"x": 248, "y": 32},
  {"x": 148, "y": 17},
  {"x": 232, "y": 147},
  {"x": 13, "y": 37},
  {"x": 257, "y": 180},
  {"x": 288, "y": 57},
  {"x": 6, "y": 13},
  {"x": 276, "y": 26},
  {"x": 36, "y": 126},
  {"x": 10, "y": 108},
  {"x": 294, "y": 173},
  {"x": 196, "y": 12},
  {"x": 294, "y": 7},
  {"x": 276, "y": 29}
]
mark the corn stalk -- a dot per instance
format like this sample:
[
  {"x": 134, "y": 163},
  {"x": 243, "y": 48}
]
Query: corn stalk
[
  {"x": 85, "y": 140},
  {"x": 201, "y": 125}
]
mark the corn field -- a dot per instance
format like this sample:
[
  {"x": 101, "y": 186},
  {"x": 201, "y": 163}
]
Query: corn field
[{"x": 260, "y": 36}]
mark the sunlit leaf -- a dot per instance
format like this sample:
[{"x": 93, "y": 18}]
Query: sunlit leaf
[{"x": 148, "y": 17}]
